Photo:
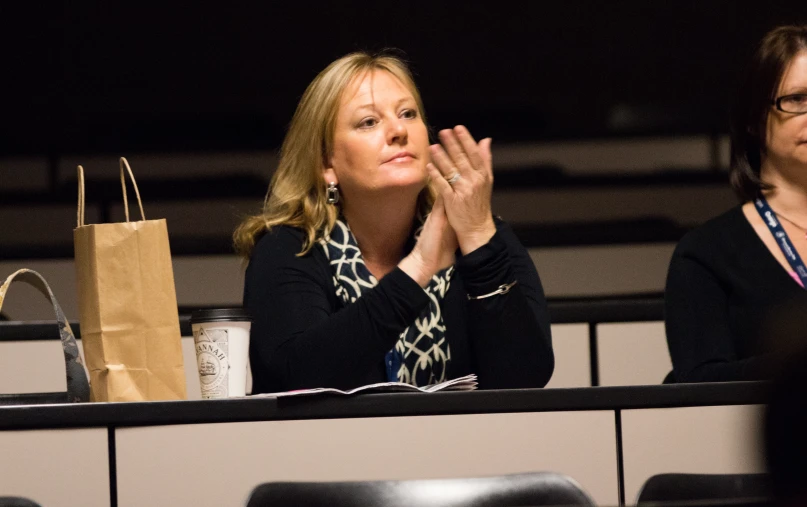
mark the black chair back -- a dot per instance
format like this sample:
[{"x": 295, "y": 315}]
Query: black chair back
[
  {"x": 536, "y": 489},
  {"x": 17, "y": 501},
  {"x": 694, "y": 487}
]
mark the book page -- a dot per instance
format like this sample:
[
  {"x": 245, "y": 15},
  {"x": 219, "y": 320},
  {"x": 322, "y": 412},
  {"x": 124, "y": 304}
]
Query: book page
[{"x": 466, "y": 383}]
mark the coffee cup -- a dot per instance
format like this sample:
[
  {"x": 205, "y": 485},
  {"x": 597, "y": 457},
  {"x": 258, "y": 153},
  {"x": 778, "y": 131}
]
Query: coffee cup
[{"x": 221, "y": 340}]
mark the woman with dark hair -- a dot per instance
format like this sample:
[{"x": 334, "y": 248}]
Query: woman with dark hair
[{"x": 727, "y": 276}]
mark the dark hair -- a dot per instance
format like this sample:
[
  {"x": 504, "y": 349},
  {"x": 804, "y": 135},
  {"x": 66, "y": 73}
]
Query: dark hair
[{"x": 750, "y": 114}]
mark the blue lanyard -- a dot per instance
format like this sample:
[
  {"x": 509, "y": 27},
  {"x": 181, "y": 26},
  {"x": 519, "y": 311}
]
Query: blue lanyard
[
  {"x": 393, "y": 360},
  {"x": 792, "y": 256}
]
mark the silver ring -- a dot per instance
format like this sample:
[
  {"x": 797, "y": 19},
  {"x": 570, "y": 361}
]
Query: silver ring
[{"x": 453, "y": 179}]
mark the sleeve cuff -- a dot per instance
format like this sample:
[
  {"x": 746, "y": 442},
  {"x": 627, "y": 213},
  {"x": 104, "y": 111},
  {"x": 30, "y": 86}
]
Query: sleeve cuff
[
  {"x": 406, "y": 291},
  {"x": 487, "y": 267}
]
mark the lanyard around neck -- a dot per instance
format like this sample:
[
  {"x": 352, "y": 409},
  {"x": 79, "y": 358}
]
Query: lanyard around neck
[{"x": 782, "y": 239}]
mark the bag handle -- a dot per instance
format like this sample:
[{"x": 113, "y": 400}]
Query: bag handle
[
  {"x": 124, "y": 162},
  {"x": 80, "y": 217},
  {"x": 81, "y": 193},
  {"x": 78, "y": 387}
]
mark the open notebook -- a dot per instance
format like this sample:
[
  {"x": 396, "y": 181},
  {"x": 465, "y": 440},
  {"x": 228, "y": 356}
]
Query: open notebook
[{"x": 466, "y": 383}]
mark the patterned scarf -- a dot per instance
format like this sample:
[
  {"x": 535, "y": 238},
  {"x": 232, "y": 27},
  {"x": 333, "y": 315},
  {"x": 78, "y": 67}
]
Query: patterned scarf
[{"x": 422, "y": 347}]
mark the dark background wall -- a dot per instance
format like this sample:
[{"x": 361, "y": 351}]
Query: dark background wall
[
  {"x": 81, "y": 77},
  {"x": 608, "y": 117}
]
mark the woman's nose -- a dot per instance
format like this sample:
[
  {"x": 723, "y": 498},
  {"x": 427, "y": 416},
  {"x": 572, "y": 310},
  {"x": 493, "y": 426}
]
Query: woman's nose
[{"x": 396, "y": 132}]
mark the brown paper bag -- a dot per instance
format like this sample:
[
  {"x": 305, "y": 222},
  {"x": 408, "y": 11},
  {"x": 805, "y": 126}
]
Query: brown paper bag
[{"x": 128, "y": 306}]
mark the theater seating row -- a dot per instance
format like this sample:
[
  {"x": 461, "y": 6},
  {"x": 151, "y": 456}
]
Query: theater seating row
[{"x": 536, "y": 489}]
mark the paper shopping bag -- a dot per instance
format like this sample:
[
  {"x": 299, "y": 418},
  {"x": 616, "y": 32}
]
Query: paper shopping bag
[
  {"x": 77, "y": 388},
  {"x": 128, "y": 305}
]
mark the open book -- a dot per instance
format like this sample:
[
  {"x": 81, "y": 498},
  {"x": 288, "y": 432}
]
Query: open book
[{"x": 466, "y": 383}]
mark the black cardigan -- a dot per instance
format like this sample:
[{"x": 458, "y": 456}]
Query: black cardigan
[
  {"x": 723, "y": 289},
  {"x": 303, "y": 335}
]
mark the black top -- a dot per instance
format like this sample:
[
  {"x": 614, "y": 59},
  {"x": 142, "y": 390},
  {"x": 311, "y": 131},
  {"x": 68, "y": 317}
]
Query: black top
[
  {"x": 304, "y": 336},
  {"x": 723, "y": 290}
]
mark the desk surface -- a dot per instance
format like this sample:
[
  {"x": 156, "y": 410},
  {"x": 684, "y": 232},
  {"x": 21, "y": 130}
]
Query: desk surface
[{"x": 379, "y": 405}]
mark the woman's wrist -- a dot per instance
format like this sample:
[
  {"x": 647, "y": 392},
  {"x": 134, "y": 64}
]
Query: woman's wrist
[
  {"x": 473, "y": 240},
  {"x": 414, "y": 267}
]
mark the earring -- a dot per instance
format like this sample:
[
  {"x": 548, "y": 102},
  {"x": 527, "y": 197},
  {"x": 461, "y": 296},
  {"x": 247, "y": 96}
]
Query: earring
[{"x": 332, "y": 193}]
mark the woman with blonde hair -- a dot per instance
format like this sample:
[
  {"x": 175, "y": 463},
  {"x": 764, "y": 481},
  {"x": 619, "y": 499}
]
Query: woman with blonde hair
[{"x": 376, "y": 256}]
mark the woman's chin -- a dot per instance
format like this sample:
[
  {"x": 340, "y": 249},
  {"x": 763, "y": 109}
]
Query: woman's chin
[{"x": 403, "y": 180}]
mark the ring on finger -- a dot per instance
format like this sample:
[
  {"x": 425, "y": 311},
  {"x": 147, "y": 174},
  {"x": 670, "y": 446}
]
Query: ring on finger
[{"x": 453, "y": 178}]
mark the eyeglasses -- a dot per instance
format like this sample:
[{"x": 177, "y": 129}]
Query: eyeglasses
[{"x": 793, "y": 104}]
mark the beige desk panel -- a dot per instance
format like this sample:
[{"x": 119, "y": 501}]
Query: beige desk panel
[
  {"x": 56, "y": 468},
  {"x": 32, "y": 366},
  {"x": 632, "y": 353},
  {"x": 689, "y": 440},
  {"x": 219, "y": 464},
  {"x": 572, "y": 357}
]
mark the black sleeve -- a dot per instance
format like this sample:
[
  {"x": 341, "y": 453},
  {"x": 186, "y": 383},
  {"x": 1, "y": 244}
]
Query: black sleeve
[
  {"x": 297, "y": 340},
  {"x": 698, "y": 333},
  {"x": 510, "y": 333}
]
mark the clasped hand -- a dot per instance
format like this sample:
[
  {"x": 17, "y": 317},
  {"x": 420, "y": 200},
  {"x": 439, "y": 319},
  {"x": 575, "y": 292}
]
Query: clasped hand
[{"x": 462, "y": 174}]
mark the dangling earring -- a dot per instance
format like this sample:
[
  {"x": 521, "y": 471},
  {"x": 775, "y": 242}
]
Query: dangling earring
[{"x": 332, "y": 193}]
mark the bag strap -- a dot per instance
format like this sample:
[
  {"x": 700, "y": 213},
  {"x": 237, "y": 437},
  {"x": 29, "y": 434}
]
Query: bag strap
[
  {"x": 81, "y": 192},
  {"x": 80, "y": 214},
  {"x": 78, "y": 387},
  {"x": 125, "y": 163}
]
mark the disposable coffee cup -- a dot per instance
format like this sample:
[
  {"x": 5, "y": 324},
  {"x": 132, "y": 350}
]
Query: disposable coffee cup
[{"x": 221, "y": 339}]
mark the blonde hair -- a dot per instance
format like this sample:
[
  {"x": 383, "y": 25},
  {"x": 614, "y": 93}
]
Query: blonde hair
[{"x": 297, "y": 192}]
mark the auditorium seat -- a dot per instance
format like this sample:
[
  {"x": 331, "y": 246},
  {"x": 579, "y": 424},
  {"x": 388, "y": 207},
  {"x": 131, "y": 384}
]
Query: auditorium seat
[
  {"x": 16, "y": 501},
  {"x": 541, "y": 488},
  {"x": 699, "y": 487}
]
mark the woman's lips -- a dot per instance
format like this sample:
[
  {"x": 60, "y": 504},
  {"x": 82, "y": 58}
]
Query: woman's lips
[
  {"x": 405, "y": 158},
  {"x": 400, "y": 157}
]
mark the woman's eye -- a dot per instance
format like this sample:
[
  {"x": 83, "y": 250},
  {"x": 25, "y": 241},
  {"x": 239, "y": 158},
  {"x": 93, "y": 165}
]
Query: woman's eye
[
  {"x": 409, "y": 114},
  {"x": 367, "y": 123},
  {"x": 799, "y": 99}
]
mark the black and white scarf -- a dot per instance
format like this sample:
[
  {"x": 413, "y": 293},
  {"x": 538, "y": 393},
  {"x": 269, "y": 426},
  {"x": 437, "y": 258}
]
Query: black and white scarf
[{"x": 422, "y": 346}]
